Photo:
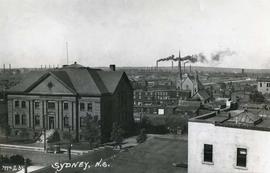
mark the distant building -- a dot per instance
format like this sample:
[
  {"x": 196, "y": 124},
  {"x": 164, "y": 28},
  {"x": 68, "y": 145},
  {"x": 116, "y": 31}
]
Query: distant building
[
  {"x": 159, "y": 96},
  {"x": 61, "y": 98},
  {"x": 229, "y": 142},
  {"x": 193, "y": 84},
  {"x": 264, "y": 85}
]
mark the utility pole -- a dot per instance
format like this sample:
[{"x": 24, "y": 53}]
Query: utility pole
[
  {"x": 45, "y": 141},
  {"x": 67, "y": 51},
  {"x": 69, "y": 145},
  {"x": 180, "y": 70}
]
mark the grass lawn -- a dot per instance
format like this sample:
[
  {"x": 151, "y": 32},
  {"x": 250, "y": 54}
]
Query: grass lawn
[{"x": 154, "y": 156}]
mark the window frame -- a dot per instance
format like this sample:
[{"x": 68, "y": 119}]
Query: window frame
[
  {"x": 17, "y": 119},
  {"x": 23, "y": 120},
  {"x": 82, "y": 122},
  {"x": 65, "y": 106},
  {"x": 49, "y": 107},
  {"x": 36, "y": 104},
  {"x": 90, "y": 110},
  {"x": 17, "y": 104},
  {"x": 23, "y": 104},
  {"x": 37, "y": 120},
  {"x": 238, "y": 151},
  {"x": 82, "y": 108},
  {"x": 66, "y": 121},
  {"x": 208, "y": 153}
]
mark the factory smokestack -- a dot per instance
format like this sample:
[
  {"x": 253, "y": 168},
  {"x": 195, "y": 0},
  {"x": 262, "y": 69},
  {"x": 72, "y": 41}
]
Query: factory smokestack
[
  {"x": 172, "y": 65},
  {"x": 4, "y": 68},
  {"x": 180, "y": 70},
  {"x": 9, "y": 66},
  {"x": 185, "y": 66}
]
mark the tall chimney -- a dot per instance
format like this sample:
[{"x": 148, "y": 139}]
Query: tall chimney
[
  {"x": 9, "y": 66},
  {"x": 190, "y": 68},
  {"x": 180, "y": 70},
  {"x": 172, "y": 65},
  {"x": 112, "y": 67},
  {"x": 4, "y": 68},
  {"x": 157, "y": 65},
  {"x": 185, "y": 66}
]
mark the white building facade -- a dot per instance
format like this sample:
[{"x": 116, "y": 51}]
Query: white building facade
[
  {"x": 222, "y": 148},
  {"x": 263, "y": 85}
]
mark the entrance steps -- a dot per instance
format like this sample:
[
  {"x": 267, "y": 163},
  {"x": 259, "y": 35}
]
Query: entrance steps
[{"x": 49, "y": 133}]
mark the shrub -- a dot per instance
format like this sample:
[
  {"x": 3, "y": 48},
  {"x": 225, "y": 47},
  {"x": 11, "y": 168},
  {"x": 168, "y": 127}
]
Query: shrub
[
  {"x": 17, "y": 159},
  {"x": 54, "y": 138},
  {"x": 142, "y": 136}
]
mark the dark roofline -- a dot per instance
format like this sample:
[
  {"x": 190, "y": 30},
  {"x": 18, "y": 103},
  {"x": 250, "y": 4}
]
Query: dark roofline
[
  {"x": 203, "y": 119},
  {"x": 124, "y": 77},
  {"x": 42, "y": 78},
  {"x": 39, "y": 94}
]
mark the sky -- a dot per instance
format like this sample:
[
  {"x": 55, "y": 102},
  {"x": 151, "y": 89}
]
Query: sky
[{"x": 133, "y": 32}]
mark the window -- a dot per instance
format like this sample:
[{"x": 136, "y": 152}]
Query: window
[
  {"x": 65, "y": 106},
  {"x": 37, "y": 120},
  {"x": 36, "y": 105},
  {"x": 208, "y": 153},
  {"x": 51, "y": 105},
  {"x": 17, "y": 104},
  {"x": 82, "y": 107},
  {"x": 82, "y": 122},
  {"x": 17, "y": 119},
  {"x": 89, "y": 107},
  {"x": 95, "y": 118},
  {"x": 23, "y": 119},
  {"x": 66, "y": 121},
  {"x": 241, "y": 157},
  {"x": 268, "y": 84},
  {"x": 23, "y": 104},
  {"x": 260, "y": 84}
]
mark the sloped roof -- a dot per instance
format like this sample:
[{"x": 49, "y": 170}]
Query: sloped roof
[
  {"x": 82, "y": 80},
  {"x": 246, "y": 118},
  {"x": 110, "y": 80},
  {"x": 27, "y": 80}
]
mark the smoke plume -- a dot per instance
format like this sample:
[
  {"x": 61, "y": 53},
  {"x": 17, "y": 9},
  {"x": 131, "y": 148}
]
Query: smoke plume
[
  {"x": 166, "y": 59},
  {"x": 220, "y": 54},
  {"x": 215, "y": 57}
]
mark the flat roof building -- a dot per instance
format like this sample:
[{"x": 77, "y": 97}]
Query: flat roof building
[{"x": 236, "y": 141}]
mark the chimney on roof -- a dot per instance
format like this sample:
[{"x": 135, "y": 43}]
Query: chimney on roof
[
  {"x": 112, "y": 67},
  {"x": 75, "y": 62}
]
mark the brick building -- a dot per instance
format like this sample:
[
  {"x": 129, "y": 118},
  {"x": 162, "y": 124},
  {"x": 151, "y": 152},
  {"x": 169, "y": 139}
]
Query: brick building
[{"x": 61, "y": 98}]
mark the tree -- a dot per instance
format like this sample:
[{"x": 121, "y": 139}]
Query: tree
[
  {"x": 175, "y": 123},
  {"x": 91, "y": 131},
  {"x": 256, "y": 97},
  {"x": 117, "y": 134}
]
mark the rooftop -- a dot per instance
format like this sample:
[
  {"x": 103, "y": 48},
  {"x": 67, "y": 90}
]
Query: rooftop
[
  {"x": 263, "y": 79},
  {"x": 243, "y": 119},
  {"x": 80, "y": 80}
]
